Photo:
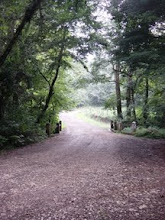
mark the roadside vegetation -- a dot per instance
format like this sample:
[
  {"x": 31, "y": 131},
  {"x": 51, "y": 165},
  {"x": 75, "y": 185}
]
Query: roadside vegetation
[
  {"x": 101, "y": 117},
  {"x": 38, "y": 44},
  {"x": 95, "y": 116},
  {"x": 57, "y": 55}
]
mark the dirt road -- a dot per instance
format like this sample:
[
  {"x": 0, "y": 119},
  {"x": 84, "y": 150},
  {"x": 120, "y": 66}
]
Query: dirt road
[{"x": 84, "y": 173}]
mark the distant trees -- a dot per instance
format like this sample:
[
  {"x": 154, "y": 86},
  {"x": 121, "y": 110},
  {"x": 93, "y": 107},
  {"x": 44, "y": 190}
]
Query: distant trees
[
  {"x": 138, "y": 37},
  {"x": 133, "y": 44}
]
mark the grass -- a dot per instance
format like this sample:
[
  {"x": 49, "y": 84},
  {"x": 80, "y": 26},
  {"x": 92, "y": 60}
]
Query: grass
[
  {"x": 127, "y": 130},
  {"x": 98, "y": 112},
  {"x": 92, "y": 121},
  {"x": 150, "y": 132},
  {"x": 100, "y": 117}
]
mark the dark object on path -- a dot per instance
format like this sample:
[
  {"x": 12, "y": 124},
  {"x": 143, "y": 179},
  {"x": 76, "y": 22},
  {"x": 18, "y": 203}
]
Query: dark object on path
[
  {"x": 111, "y": 124},
  {"x": 48, "y": 129},
  {"x": 57, "y": 128},
  {"x": 60, "y": 125},
  {"x": 115, "y": 125},
  {"x": 85, "y": 173}
]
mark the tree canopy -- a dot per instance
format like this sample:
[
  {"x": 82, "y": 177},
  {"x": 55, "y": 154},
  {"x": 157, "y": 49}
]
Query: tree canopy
[{"x": 43, "y": 42}]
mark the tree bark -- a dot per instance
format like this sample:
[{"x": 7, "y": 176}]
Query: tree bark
[
  {"x": 118, "y": 93},
  {"x": 128, "y": 99},
  {"x": 145, "y": 109},
  {"x": 133, "y": 104},
  {"x": 30, "y": 11}
]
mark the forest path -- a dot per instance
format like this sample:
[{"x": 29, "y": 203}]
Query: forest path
[{"x": 84, "y": 173}]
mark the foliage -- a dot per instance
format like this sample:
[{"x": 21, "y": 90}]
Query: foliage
[
  {"x": 110, "y": 103},
  {"x": 134, "y": 42},
  {"x": 151, "y": 132},
  {"x": 37, "y": 50},
  {"x": 98, "y": 113},
  {"x": 127, "y": 130},
  {"x": 44, "y": 65}
]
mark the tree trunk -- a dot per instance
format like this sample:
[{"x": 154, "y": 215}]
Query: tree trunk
[
  {"x": 27, "y": 18},
  {"x": 131, "y": 111},
  {"x": 51, "y": 88},
  {"x": 118, "y": 93},
  {"x": 145, "y": 109},
  {"x": 128, "y": 99},
  {"x": 133, "y": 104}
]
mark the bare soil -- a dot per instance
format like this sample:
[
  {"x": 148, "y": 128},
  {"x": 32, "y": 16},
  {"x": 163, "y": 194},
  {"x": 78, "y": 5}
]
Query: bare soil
[{"x": 84, "y": 173}]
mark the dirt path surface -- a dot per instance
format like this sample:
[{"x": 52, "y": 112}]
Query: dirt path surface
[{"x": 84, "y": 173}]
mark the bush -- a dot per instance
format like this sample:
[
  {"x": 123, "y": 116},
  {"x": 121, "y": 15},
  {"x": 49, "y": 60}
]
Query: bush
[
  {"x": 3, "y": 140},
  {"x": 127, "y": 130},
  {"x": 14, "y": 134},
  {"x": 150, "y": 132}
]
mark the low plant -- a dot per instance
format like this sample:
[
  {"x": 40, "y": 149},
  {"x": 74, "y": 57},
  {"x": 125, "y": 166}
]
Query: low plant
[
  {"x": 150, "y": 132},
  {"x": 127, "y": 130},
  {"x": 14, "y": 134}
]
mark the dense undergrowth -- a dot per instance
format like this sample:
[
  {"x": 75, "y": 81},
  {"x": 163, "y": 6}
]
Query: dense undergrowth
[
  {"x": 14, "y": 134},
  {"x": 101, "y": 117},
  {"x": 150, "y": 132}
]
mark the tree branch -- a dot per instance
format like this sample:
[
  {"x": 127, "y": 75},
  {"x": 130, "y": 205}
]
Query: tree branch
[
  {"x": 44, "y": 77},
  {"x": 50, "y": 94},
  {"x": 30, "y": 11},
  {"x": 79, "y": 60}
]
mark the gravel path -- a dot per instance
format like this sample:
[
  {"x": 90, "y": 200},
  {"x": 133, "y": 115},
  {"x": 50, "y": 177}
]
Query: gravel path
[{"x": 84, "y": 173}]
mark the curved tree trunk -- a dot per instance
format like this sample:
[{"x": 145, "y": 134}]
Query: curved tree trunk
[{"x": 51, "y": 87}]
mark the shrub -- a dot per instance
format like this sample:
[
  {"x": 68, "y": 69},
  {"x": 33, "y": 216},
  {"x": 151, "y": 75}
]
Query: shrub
[
  {"x": 150, "y": 132},
  {"x": 127, "y": 130},
  {"x": 15, "y": 134},
  {"x": 3, "y": 140}
]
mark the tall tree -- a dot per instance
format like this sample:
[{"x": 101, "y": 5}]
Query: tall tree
[{"x": 118, "y": 92}]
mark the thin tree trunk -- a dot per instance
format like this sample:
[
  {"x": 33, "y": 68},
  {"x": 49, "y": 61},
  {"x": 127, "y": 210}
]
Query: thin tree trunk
[
  {"x": 145, "y": 109},
  {"x": 118, "y": 93},
  {"x": 128, "y": 99},
  {"x": 131, "y": 110},
  {"x": 30, "y": 11},
  {"x": 51, "y": 88},
  {"x": 133, "y": 104}
]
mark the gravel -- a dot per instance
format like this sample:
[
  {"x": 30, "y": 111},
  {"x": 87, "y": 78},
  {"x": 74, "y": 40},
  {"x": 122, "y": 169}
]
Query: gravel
[{"x": 84, "y": 173}]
